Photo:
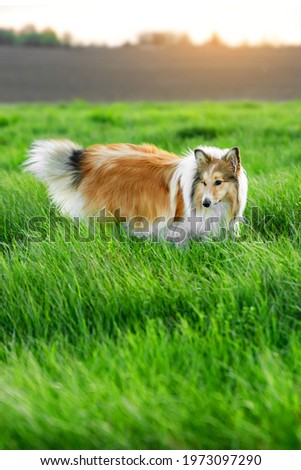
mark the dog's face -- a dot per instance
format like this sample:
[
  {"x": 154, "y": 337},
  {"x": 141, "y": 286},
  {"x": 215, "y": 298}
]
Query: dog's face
[{"x": 216, "y": 180}]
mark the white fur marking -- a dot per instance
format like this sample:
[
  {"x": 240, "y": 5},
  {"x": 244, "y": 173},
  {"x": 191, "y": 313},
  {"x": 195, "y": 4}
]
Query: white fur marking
[{"x": 48, "y": 161}]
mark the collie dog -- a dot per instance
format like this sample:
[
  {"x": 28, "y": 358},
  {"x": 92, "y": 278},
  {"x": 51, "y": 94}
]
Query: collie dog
[{"x": 143, "y": 185}]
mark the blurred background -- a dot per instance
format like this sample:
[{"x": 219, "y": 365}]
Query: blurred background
[{"x": 151, "y": 50}]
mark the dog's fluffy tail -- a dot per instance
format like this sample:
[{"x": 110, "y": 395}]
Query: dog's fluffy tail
[{"x": 58, "y": 164}]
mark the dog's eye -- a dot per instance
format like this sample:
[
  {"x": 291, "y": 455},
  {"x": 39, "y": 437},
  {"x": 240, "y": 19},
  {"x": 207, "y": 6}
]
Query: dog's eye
[
  {"x": 218, "y": 183},
  {"x": 204, "y": 183}
]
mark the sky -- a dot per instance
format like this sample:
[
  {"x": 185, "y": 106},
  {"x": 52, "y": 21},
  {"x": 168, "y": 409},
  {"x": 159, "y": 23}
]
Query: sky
[{"x": 115, "y": 21}]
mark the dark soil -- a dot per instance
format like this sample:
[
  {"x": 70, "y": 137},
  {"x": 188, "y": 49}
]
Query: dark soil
[{"x": 136, "y": 73}]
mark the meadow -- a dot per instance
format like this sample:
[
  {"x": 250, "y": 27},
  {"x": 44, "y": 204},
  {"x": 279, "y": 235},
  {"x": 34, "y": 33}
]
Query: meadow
[{"x": 116, "y": 343}]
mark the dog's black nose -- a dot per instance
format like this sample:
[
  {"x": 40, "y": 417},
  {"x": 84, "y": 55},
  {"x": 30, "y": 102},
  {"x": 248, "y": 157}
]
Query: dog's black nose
[{"x": 206, "y": 203}]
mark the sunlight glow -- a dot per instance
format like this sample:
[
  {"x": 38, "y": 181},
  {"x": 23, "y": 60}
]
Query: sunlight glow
[{"x": 118, "y": 21}]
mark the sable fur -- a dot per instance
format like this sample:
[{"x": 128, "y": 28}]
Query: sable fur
[{"x": 143, "y": 181}]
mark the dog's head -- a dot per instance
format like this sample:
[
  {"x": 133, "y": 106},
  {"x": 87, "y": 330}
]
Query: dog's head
[{"x": 216, "y": 179}]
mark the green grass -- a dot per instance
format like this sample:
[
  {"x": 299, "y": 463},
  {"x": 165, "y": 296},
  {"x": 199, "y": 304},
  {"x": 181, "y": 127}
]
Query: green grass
[{"x": 115, "y": 343}]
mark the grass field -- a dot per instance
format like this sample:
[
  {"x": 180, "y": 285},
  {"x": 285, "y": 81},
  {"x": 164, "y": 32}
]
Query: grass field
[{"x": 114, "y": 343}]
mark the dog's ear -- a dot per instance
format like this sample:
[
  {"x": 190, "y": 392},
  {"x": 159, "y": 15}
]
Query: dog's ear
[
  {"x": 201, "y": 156},
  {"x": 233, "y": 157}
]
